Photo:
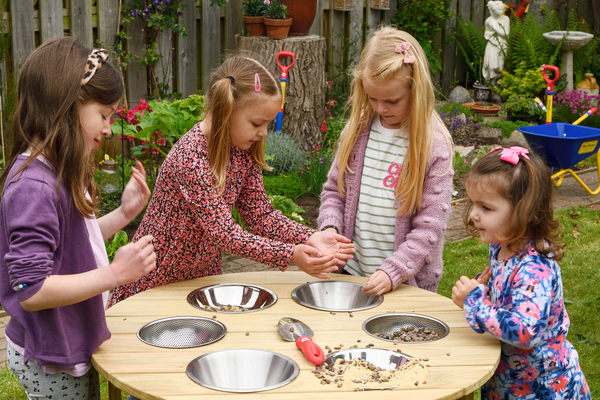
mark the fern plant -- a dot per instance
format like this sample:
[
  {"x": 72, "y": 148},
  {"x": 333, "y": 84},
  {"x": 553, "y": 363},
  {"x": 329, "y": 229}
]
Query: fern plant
[
  {"x": 583, "y": 58},
  {"x": 472, "y": 47}
]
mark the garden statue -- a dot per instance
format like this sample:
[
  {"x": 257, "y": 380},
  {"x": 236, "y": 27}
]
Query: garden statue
[{"x": 497, "y": 28}]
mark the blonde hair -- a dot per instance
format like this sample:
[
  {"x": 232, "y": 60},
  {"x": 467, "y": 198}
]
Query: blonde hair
[
  {"x": 380, "y": 63},
  {"x": 224, "y": 97}
]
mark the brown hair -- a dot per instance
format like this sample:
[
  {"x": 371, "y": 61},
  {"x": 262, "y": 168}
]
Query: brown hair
[
  {"x": 223, "y": 98},
  {"x": 379, "y": 63},
  {"x": 47, "y": 114},
  {"x": 528, "y": 188}
]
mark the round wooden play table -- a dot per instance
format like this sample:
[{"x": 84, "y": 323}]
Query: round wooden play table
[{"x": 458, "y": 364}]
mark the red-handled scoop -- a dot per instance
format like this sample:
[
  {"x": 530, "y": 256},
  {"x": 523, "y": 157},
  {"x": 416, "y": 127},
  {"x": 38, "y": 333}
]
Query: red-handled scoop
[{"x": 294, "y": 330}]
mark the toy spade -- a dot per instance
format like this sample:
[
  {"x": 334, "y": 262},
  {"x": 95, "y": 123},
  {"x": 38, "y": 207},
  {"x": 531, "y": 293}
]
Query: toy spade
[{"x": 297, "y": 331}]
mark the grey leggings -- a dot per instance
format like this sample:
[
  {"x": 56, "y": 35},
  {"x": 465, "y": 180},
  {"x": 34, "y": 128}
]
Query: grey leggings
[{"x": 40, "y": 385}]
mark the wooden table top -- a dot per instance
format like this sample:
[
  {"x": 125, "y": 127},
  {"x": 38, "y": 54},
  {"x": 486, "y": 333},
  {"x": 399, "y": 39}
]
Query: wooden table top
[{"x": 458, "y": 364}]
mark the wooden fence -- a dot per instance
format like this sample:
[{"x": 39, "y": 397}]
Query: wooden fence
[{"x": 211, "y": 34}]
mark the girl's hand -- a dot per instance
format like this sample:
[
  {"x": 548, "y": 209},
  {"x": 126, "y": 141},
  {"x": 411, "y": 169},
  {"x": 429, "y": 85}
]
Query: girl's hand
[
  {"x": 484, "y": 276},
  {"x": 313, "y": 262},
  {"x": 134, "y": 260},
  {"x": 462, "y": 289},
  {"x": 329, "y": 242},
  {"x": 136, "y": 193},
  {"x": 378, "y": 284}
]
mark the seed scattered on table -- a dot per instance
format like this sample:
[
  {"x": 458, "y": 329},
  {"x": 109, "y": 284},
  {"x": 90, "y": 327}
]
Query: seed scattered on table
[
  {"x": 247, "y": 333},
  {"x": 292, "y": 329},
  {"x": 214, "y": 317}
]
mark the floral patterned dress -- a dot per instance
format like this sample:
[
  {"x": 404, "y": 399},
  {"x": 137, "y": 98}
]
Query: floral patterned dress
[
  {"x": 526, "y": 312},
  {"x": 192, "y": 224}
]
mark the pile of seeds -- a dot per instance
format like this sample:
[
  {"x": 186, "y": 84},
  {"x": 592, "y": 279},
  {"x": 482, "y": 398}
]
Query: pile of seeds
[
  {"x": 410, "y": 334},
  {"x": 362, "y": 374},
  {"x": 227, "y": 308}
]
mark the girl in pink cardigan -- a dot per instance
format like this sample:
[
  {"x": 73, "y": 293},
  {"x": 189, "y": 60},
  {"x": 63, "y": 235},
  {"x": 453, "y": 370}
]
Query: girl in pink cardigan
[{"x": 390, "y": 186}]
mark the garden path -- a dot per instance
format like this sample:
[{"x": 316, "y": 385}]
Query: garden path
[{"x": 569, "y": 194}]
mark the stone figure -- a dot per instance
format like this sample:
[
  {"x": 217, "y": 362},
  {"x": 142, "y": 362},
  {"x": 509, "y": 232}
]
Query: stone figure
[{"x": 497, "y": 28}]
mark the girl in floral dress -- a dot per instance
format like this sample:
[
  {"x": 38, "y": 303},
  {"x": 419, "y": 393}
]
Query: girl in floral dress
[
  {"x": 519, "y": 297},
  {"x": 215, "y": 167}
]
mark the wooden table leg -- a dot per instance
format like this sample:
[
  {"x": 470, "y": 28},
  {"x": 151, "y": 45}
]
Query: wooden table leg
[{"x": 114, "y": 393}]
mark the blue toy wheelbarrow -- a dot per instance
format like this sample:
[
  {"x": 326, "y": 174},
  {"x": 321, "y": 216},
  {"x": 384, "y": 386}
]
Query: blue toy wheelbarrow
[{"x": 563, "y": 146}]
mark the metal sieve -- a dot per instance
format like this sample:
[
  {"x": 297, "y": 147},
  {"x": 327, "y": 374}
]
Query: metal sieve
[
  {"x": 181, "y": 332},
  {"x": 216, "y": 298},
  {"x": 242, "y": 370},
  {"x": 335, "y": 296},
  {"x": 394, "y": 322}
]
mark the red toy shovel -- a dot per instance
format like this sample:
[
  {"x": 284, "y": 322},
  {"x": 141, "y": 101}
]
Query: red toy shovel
[{"x": 297, "y": 331}]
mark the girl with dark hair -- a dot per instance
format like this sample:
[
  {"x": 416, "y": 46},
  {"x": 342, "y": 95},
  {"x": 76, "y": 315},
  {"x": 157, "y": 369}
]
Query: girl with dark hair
[
  {"x": 215, "y": 167},
  {"x": 519, "y": 296},
  {"x": 51, "y": 244}
]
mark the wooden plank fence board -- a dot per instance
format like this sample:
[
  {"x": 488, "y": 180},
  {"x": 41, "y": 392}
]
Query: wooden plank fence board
[
  {"x": 317, "y": 26},
  {"x": 355, "y": 30},
  {"x": 336, "y": 56},
  {"x": 449, "y": 50},
  {"x": 108, "y": 22},
  {"x": 23, "y": 34},
  {"x": 233, "y": 23},
  {"x": 464, "y": 11},
  {"x": 136, "y": 76},
  {"x": 478, "y": 8},
  {"x": 372, "y": 21},
  {"x": 391, "y": 13},
  {"x": 164, "y": 68},
  {"x": 51, "y": 18},
  {"x": 80, "y": 15},
  {"x": 186, "y": 52},
  {"x": 211, "y": 39}
]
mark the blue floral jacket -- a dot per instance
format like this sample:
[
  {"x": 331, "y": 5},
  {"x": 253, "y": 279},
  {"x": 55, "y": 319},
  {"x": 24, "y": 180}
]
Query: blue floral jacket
[{"x": 525, "y": 310}]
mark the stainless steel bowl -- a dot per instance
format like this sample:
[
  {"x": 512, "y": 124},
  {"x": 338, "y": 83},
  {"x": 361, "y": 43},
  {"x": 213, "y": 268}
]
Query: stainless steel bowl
[
  {"x": 335, "y": 296},
  {"x": 242, "y": 370},
  {"x": 394, "y": 322},
  {"x": 181, "y": 332},
  {"x": 384, "y": 359},
  {"x": 249, "y": 297}
]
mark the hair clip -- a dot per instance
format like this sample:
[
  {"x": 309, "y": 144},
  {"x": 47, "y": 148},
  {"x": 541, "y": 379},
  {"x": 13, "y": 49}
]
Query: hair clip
[
  {"x": 403, "y": 48},
  {"x": 231, "y": 78},
  {"x": 93, "y": 63},
  {"x": 256, "y": 82},
  {"x": 512, "y": 154}
]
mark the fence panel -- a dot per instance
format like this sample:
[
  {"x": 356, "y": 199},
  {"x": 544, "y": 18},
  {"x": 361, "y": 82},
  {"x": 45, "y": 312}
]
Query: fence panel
[{"x": 190, "y": 60}]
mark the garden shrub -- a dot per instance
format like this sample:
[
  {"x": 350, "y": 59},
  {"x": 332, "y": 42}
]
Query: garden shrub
[
  {"x": 472, "y": 47},
  {"x": 287, "y": 155},
  {"x": 507, "y": 127},
  {"x": 463, "y": 129},
  {"x": 524, "y": 81},
  {"x": 315, "y": 170},
  {"x": 568, "y": 107},
  {"x": 288, "y": 185},
  {"x": 119, "y": 240},
  {"x": 449, "y": 108}
]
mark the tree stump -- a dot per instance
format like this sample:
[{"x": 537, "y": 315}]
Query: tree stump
[{"x": 304, "y": 107}]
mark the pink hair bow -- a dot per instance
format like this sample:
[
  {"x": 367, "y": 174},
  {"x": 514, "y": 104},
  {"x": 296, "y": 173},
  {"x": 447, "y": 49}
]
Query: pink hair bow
[
  {"x": 512, "y": 154},
  {"x": 403, "y": 48}
]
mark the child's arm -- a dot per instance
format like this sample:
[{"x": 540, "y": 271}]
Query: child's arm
[
  {"x": 131, "y": 262},
  {"x": 523, "y": 321},
  {"x": 331, "y": 212},
  {"x": 134, "y": 199}
]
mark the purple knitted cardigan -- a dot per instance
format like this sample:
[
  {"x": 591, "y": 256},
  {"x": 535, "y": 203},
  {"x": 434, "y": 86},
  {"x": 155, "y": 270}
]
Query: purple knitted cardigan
[{"x": 417, "y": 257}]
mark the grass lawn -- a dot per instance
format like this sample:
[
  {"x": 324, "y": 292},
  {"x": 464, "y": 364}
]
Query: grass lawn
[{"x": 580, "y": 273}]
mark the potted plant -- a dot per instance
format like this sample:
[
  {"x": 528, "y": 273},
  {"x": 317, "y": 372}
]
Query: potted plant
[
  {"x": 277, "y": 19},
  {"x": 254, "y": 17},
  {"x": 303, "y": 14},
  {"x": 522, "y": 108}
]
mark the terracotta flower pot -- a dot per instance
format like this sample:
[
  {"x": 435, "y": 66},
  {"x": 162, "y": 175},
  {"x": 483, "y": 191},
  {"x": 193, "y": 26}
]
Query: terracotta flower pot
[
  {"x": 303, "y": 14},
  {"x": 278, "y": 28},
  {"x": 255, "y": 26}
]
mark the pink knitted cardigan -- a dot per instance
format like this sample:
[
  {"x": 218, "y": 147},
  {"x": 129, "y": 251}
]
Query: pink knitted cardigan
[{"x": 417, "y": 258}]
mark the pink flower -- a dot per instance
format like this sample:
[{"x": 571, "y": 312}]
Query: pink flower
[
  {"x": 267, "y": 2},
  {"x": 130, "y": 115},
  {"x": 329, "y": 84}
]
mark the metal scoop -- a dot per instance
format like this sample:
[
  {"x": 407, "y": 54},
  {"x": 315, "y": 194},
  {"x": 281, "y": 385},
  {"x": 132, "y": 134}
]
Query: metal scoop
[{"x": 297, "y": 331}]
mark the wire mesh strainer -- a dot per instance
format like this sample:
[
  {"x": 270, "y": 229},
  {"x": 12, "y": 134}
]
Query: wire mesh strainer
[
  {"x": 181, "y": 332},
  {"x": 388, "y": 324}
]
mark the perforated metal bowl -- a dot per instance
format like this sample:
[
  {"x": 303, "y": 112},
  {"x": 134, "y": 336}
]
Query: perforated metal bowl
[
  {"x": 335, "y": 296},
  {"x": 242, "y": 370},
  {"x": 384, "y": 359},
  {"x": 394, "y": 322},
  {"x": 215, "y": 298},
  {"x": 181, "y": 332}
]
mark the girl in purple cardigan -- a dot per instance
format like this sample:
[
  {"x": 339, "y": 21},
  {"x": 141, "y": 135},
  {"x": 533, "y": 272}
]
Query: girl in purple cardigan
[{"x": 389, "y": 188}]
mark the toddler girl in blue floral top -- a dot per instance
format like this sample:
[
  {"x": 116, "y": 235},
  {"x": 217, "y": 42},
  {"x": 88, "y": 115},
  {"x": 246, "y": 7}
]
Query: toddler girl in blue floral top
[{"x": 519, "y": 297}]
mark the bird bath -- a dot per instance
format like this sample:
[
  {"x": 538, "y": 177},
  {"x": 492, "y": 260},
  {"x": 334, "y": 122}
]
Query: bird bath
[{"x": 573, "y": 41}]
